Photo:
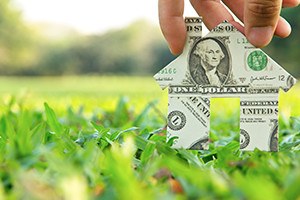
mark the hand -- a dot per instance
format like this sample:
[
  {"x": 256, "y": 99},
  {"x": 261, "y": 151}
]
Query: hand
[{"x": 261, "y": 19}]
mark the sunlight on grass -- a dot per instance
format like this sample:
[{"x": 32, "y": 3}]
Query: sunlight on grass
[
  {"x": 105, "y": 138},
  {"x": 90, "y": 92}
]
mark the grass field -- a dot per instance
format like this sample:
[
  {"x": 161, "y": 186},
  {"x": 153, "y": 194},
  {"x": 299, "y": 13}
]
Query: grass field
[
  {"x": 104, "y": 138},
  {"x": 91, "y": 92}
]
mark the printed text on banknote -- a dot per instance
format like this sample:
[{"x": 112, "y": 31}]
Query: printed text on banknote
[{"x": 222, "y": 64}]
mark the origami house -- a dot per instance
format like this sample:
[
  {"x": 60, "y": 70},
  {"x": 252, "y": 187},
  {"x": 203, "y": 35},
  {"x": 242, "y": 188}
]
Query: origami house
[{"x": 222, "y": 64}]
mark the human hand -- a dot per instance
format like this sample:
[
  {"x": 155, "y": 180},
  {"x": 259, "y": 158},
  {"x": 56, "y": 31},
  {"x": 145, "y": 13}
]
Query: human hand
[{"x": 261, "y": 19}]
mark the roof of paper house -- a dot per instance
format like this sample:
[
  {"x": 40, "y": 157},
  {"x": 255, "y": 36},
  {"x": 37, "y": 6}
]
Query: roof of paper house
[{"x": 220, "y": 64}]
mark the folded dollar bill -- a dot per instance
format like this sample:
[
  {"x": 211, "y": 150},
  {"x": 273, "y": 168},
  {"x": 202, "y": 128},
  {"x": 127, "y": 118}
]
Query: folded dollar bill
[{"x": 222, "y": 64}]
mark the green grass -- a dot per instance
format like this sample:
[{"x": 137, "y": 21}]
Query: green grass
[
  {"x": 91, "y": 92},
  {"x": 104, "y": 138}
]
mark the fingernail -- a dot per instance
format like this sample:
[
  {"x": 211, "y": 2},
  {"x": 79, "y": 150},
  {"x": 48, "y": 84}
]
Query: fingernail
[{"x": 260, "y": 36}]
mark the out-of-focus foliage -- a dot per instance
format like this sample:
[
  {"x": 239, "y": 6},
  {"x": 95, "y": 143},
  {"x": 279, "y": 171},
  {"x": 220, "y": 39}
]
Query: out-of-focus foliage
[
  {"x": 15, "y": 39},
  {"x": 49, "y": 49},
  {"x": 287, "y": 51},
  {"x": 138, "y": 49},
  {"x": 118, "y": 152}
]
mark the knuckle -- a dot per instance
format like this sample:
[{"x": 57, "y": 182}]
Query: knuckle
[{"x": 264, "y": 9}]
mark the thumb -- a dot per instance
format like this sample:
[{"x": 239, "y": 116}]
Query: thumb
[{"x": 260, "y": 20}]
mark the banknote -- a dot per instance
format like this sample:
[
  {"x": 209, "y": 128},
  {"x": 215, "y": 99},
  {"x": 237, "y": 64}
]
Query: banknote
[
  {"x": 259, "y": 124},
  {"x": 223, "y": 64},
  {"x": 189, "y": 122}
]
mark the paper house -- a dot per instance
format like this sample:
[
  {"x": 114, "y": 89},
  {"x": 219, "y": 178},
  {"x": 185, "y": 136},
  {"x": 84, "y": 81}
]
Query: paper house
[{"x": 222, "y": 64}]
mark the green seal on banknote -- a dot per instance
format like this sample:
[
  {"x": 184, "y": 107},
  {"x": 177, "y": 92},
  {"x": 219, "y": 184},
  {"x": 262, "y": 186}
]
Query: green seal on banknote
[{"x": 257, "y": 60}]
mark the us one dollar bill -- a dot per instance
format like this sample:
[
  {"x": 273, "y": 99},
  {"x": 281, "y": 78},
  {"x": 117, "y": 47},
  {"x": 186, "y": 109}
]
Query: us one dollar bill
[{"x": 222, "y": 64}]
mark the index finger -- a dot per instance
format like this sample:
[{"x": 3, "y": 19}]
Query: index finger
[{"x": 172, "y": 23}]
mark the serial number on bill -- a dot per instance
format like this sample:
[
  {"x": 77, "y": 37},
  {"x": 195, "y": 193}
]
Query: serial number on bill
[{"x": 168, "y": 71}]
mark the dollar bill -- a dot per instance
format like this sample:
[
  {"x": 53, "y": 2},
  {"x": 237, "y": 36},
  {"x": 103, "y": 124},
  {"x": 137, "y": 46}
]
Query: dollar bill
[
  {"x": 259, "y": 124},
  {"x": 188, "y": 121},
  {"x": 223, "y": 64}
]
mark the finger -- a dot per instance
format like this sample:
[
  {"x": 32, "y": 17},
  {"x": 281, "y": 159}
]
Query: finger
[
  {"x": 260, "y": 20},
  {"x": 213, "y": 13},
  {"x": 283, "y": 29},
  {"x": 172, "y": 23},
  {"x": 290, "y": 3},
  {"x": 237, "y": 6}
]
